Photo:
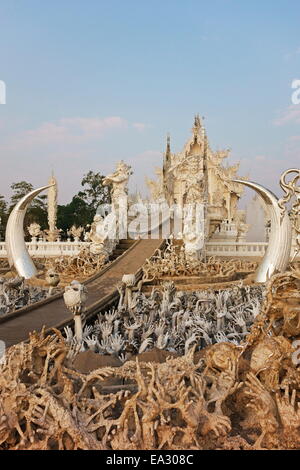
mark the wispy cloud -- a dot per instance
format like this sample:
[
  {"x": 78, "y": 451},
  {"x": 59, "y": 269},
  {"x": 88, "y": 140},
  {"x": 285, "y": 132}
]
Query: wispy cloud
[
  {"x": 290, "y": 115},
  {"x": 150, "y": 155},
  {"x": 294, "y": 138},
  {"x": 260, "y": 158},
  {"x": 266, "y": 169},
  {"x": 93, "y": 127},
  {"x": 292, "y": 151},
  {"x": 67, "y": 131},
  {"x": 290, "y": 55},
  {"x": 144, "y": 164},
  {"x": 70, "y": 146},
  {"x": 140, "y": 126}
]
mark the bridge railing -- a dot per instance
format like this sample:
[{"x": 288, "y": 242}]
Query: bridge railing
[
  {"x": 43, "y": 249},
  {"x": 236, "y": 248},
  {"x": 251, "y": 249}
]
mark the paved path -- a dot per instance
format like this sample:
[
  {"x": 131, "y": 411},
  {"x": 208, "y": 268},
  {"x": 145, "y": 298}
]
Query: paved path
[{"x": 101, "y": 288}]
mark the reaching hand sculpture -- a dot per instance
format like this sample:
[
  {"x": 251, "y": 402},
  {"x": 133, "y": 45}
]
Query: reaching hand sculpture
[{"x": 128, "y": 286}]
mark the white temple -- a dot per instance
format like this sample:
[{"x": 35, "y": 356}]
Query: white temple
[{"x": 197, "y": 175}]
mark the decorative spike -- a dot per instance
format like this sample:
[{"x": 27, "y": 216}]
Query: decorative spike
[
  {"x": 168, "y": 143},
  {"x": 52, "y": 203}
]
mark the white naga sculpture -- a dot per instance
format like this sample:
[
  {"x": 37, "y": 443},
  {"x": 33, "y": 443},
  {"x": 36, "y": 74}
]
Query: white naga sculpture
[
  {"x": 156, "y": 187},
  {"x": 193, "y": 244},
  {"x": 193, "y": 234},
  {"x": 119, "y": 195},
  {"x": 102, "y": 235}
]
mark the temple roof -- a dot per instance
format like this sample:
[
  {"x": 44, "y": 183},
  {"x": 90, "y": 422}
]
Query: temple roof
[{"x": 198, "y": 146}]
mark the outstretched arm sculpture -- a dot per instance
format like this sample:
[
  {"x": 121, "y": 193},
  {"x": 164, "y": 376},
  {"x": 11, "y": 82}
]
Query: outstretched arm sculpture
[
  {"x": 278, "y": 252},
  {"x": 17, "y": 252}
]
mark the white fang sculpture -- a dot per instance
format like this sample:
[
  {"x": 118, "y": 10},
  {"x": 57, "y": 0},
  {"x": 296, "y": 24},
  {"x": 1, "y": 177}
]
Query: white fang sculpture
[
  {"x": 278, "y": 253},
  {"x": 17, "y": 252}
]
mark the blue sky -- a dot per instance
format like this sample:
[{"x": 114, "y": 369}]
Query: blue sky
[{"x": 91, "y": 82}]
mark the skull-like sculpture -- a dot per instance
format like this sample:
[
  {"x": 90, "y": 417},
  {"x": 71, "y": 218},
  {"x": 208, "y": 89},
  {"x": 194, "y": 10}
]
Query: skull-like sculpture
[
  {"x": 75, "y": 297},
  {"x": 267, "y": 357},
  {"x": 52, "y": 279}
]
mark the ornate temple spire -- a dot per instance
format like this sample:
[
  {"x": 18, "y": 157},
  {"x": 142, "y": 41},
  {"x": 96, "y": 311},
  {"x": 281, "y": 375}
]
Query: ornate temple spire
[
  {"x": 168, "y": 144},
  {"x": 197, "y": 125},
  {"x": 168, "y": 149},
  {"x": 205, "y": 164},
  {"x": 197, "y": 120},
  {"x": 203, "y": 133}
]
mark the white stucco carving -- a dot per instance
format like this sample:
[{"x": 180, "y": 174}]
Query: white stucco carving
[
  {"x": 119, "y": 195},
  {"x": 103, "y": 235},
  {"x": 76, "y": 232},
  {"x": 34, "y": 230},
  {"x": 197, "y": 175},
  {"x": 52, "y": 233}
]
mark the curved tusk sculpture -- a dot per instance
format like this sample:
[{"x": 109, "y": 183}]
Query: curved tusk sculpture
[
  {"x": 278, "y": 252},
  {"x": 17, "y": 252}
]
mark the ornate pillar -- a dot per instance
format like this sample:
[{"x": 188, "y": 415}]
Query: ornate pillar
[{"x": 52, "y": 232}]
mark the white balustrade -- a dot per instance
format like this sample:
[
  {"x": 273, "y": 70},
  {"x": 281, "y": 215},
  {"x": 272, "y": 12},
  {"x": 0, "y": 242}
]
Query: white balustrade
[
  {"x": 42, "y": 249},
  {"x": 236, "y": 249},
  {"x": 253, "y": 249}
]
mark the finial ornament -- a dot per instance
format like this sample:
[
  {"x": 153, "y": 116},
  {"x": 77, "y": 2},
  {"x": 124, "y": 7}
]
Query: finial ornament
[
  {"x": 197, "y": 126},
  {"x": 168, "y": 147},
  {"x": 52, "y": 232},
  {"x": 197, "y": 121},
  {"x": 168, "y": 141}
]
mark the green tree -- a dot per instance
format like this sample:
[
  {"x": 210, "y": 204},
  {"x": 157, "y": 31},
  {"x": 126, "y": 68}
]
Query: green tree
[
  {"x": 94, "y": 192},
  {"x": 77, "y": 212},
  {"x": 3, "y": 206},
  {"x": 80, "y": 211},
  {"x": 3, "y": 217},
  {"x": 20, "y": 190},
  {"x": 37, "y": 211}
]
